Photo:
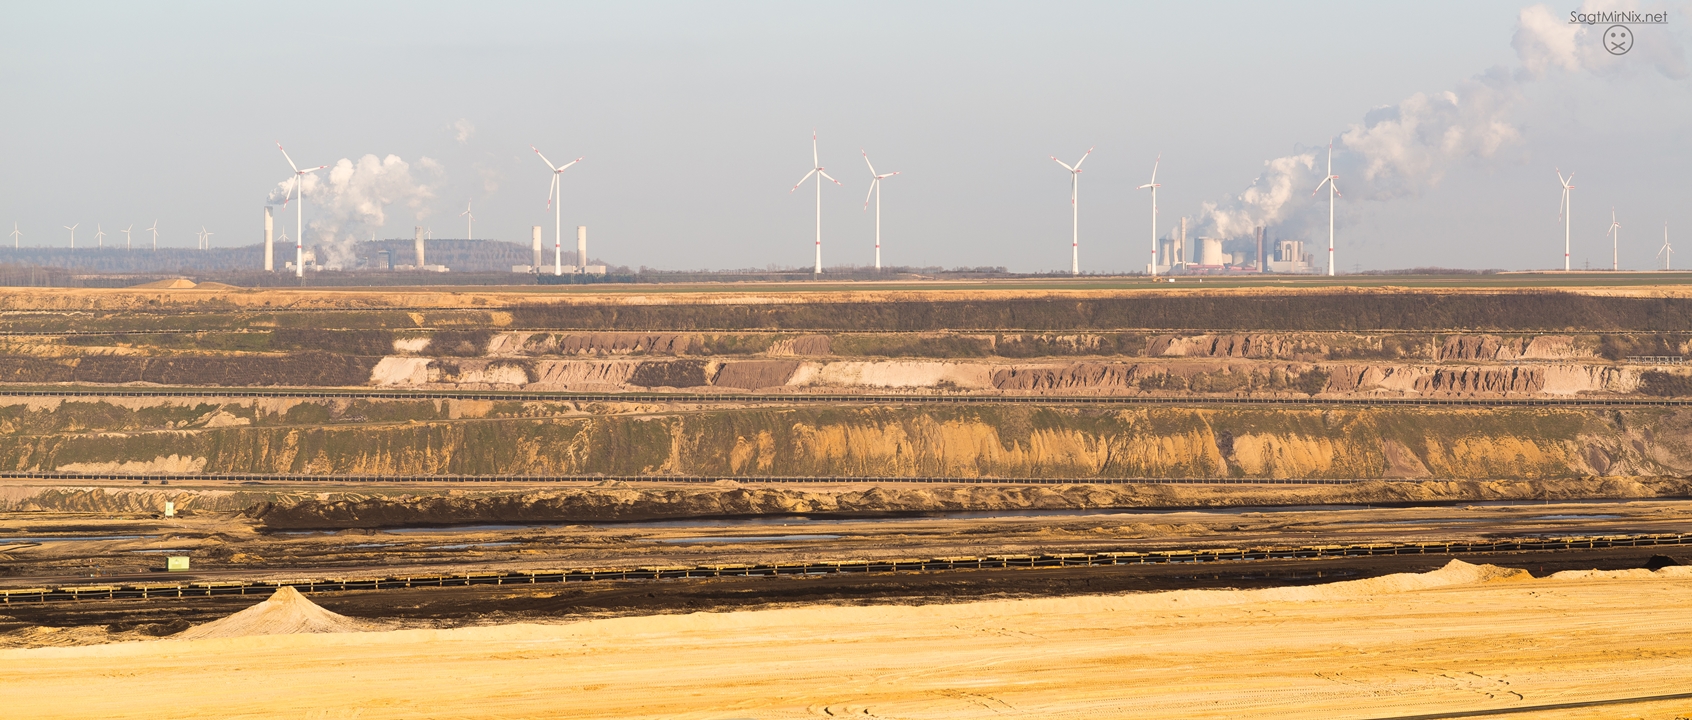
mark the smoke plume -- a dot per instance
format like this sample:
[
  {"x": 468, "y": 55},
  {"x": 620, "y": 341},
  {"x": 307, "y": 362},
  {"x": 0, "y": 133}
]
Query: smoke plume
[
  {"x": 1404, "y": 149},
  {"x": 353, "y": 198}
]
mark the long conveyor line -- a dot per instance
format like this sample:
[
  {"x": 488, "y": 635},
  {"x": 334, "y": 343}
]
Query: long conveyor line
[
  {"x": 738, "y": 398},
  {"x": 148, "y": 591},
  {"x": 71, "y": 477}
]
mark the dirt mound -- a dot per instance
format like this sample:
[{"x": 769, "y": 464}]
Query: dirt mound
[
  {"x": 177, "y": 284},
  {"x": 287, "y": 612},
  {"x": 756, "y": 374}
]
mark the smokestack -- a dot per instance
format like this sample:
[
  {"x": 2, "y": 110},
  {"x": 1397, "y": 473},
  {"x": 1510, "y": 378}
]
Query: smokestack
[
  {"x": 269, "y": 241},
  {"x": 581, "y": 248},
  {"x": 537, "y": 239},
  {"x": 417, "y": 247},
  {"x": 1260, "y": 266}
]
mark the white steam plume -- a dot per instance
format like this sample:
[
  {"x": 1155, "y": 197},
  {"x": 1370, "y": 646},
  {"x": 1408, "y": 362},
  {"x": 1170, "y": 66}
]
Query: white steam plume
[
  {"x": 1401, "y": 150},
  {"x": 353, "y": 199}
]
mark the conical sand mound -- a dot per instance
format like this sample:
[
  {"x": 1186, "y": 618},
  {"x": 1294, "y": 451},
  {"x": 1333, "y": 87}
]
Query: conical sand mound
[
  {"x": 177, "y": 284},
  {"x": 287, "y": 612}
]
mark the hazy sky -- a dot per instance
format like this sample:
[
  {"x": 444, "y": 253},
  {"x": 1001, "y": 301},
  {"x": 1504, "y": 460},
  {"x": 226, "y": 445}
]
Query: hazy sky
[{"x": 695, "y": 120}]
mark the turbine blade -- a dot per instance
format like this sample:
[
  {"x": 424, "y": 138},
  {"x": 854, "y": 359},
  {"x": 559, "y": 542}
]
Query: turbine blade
[
  {"x": 832, "y": 180},
  {"x": 803, "y": 179},
  {"x": 888, "y": 175},
  {"x": 1083, "y": 158},
  {"x": 566, "y": 166},
  {"x": 289, "y": 159},
  {"x": 551, "y": 190},
  {"x": 543, "y": 158},
  {"x": 1319, "y": 187},
  {"x": 1155, "y": 163},
  {"x": 814, "y": 161},
  {"x": 1064, "y": 164},
  {"x": 867, "y": 195}
]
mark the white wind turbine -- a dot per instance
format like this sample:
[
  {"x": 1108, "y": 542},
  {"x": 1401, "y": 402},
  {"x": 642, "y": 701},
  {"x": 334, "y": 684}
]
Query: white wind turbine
[
  {"x": 299, "y": 213},
  {"x": 557, "y": 191},
  {"x": 1333, "y": 191},
  {"x": 1666, "y": 253},
  {"x": 205, "y": 238},
  {"x": 1153, "y": 186},
  {"x": 15, "y": 236},
  {"x": 1615, "y": 240},
  {"x": 817, "y": 170},
  {"x": 126, "y": 244},
  {"x": 470, "y": 228},
  {"x": 72, "y": 228},
  {"x": 1074, "y": 210},
  {"x": 155, "y": 231},
  {"x": 875, "y": 189},
  {"x": 99, "y": 236},
  {"x": 1566, "y": 210}
]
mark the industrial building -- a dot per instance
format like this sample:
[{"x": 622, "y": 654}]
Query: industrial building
[{"x": 1179, "y": 255}]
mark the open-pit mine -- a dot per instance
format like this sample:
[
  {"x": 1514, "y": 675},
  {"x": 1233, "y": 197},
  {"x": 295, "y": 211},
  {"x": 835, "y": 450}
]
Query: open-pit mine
[{"x": 942, "y": 500}]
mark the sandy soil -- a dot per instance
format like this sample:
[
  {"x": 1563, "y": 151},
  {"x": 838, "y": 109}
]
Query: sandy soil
[{"x": 1463, "y": 638}]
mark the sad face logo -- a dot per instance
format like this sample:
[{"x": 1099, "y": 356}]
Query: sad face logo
[{"x": 1618, "y": 39}]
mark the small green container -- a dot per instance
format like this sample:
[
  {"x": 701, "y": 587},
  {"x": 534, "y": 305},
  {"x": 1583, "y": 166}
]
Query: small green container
[{"x": 173, "y": 564}]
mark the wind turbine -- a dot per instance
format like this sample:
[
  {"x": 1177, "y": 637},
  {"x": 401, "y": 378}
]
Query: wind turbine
[
  {"x": 817, "y": 170},
  {"x": 1565, "y": 210},
  {"x": 72, "y": 228},
  {"x": 126, "y": 236},
  {"x": 1153, "y": 186},
  {"x": 875, "y": 188},
  {"x": 470, "y": 230},
  {"x": 15, "y": 236},
  {"x": 99, "y": 236},
  {"x": 1615, "y": 241},
  {"x": 558, "y": 215},
  {"x": 155, "y": 231},
  {"x": 1666, "y": 253},
  {"x": 1333, "y": 191},
  {"x": 299, "y": 213},
  {"x": 205, "y": 238},
  {"x": 1074, "y": 210}
]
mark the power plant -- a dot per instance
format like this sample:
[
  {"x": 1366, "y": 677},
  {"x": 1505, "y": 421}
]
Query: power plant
[{"x": 1179, "y": 255}]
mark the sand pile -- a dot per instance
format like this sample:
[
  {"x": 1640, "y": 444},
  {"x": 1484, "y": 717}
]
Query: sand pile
[{"x": 287, "y": 612}]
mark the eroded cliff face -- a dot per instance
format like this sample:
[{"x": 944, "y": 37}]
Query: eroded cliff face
[{"x": 466, "y": 438}]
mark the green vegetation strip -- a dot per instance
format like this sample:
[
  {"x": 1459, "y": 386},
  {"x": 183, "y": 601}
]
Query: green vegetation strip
[
  {"x": 148, "y": 591},
  {"x": 816, "y": 398}
]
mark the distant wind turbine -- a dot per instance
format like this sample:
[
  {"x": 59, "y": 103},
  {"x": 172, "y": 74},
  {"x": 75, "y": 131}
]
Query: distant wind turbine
[
  {"x": 1615, "y": 240},
  {"x": 1566, "y": 210},
  {"x": 299, "y": 212},
  {"x": 72, "y": 228},
  {"x": 1074, "y": 210},
  {"x": 470, "y": 229},
  {"x": 205, "y": 238},
  {"x": 1153, "y": 186},
  {"x": 1333, "y": 191},
  {"x": 99, "y": 236},
  {"x": 126, "y": 244},
  {"x": 875, "y": 189},
  {"x": 155, "y": 231},
  {"x": 817, "y": 170},
  {"x": 1666, "y": 253},
  {"x": 15, "y": 236},
  {"x": 557, "y": 191}
]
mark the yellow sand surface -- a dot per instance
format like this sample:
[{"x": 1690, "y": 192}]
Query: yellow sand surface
[{"x": 1463, "y": 638}]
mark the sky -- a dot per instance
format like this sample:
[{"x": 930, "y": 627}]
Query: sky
[{"x": 694, "y": 121}]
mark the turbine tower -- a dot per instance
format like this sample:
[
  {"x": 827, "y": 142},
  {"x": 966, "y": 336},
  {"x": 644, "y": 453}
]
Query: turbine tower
[
  {"x": 1333, "y": 192},
  {"x": 558, "y": 216},
  {"x": 1615, "y": 240},
  {"x": 15, "y": 236},
  {"x": 126, "y": 243},
  {"x": 155, "y": 231},
  {"x": 99, "y": 236},
  {"x": 1074, "y": 210},
  {"x": 205, "y": 238},
  {"x": 470, "y": 220},
  {"x": 299, "y": 213},
  {"x": 875, "y": 189},
  {"x": 1666, "y": 253},
  {"x": 1153, "y": 186},
  {"x": 817, "y": 170},
  {"x": 1565, "y": 210},
  {"x": 72, "y": 228}
]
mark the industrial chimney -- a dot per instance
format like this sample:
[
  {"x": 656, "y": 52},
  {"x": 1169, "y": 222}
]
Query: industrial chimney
[
  {"x": 269, "y": 241},
  {"x": 536, "y": 236},
  {"x": 417, "y": 247},
  {"x": 581, "y": 248}
]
